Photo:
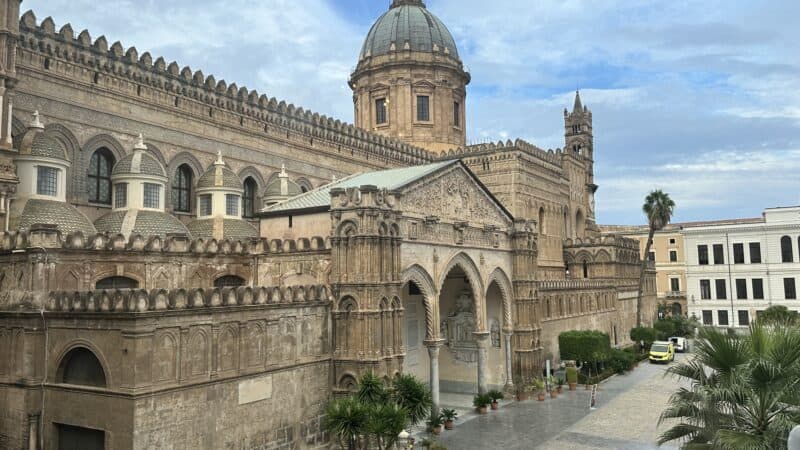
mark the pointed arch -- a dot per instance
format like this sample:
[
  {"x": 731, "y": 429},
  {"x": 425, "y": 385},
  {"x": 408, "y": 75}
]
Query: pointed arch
[
  {"x": 465, "y": 263},
  {"x": 424, "y": 282},
  {"x": 185, "y": 161},
  {"x": 502, "y": 280}
]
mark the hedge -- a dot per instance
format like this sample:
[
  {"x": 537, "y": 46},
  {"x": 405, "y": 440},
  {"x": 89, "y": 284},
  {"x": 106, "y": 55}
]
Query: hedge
[
  {"x": 648, "y": 335},
  {"x": 584, "y": 345}
]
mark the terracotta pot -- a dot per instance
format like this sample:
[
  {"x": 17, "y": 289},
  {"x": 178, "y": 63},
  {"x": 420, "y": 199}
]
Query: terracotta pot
[
  {"x": 522, "y": 396},
  {"x": 448, "y": 424},
  {"x": 559, "y": 389},
  {"x": 483, "y": 410},
  {"x": 437, "y": 430},
  {"x": 495, "y": 405},
  {"x": 553, "y": 394},
  {"x": 541, "y": 396},
  {"x": 573, "y": 386}
]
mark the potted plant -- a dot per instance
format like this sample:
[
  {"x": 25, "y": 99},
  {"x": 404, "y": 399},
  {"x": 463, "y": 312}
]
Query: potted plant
[
  {"x": 523, "y": 392},
  {"x": 560, "y": 384},
  {"x": 482, "y": 402},
  {"x": 539, "y": 385},
  {"x": 572, "y": 377},
  {"x": 435, "y": 424},
  {"x": 449, "y": 416},
  {"x": 495, "y": 395}
]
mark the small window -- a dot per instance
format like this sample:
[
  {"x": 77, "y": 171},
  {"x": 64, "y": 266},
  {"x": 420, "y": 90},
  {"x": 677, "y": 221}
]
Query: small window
[
  {"x": 738, "y": 253},
  {"x": 675, "y": 284},
  {"x": 673, "y": 256},
  {"x": 81, "y": 367},
  {"x": 741, "y": 289},
  {"x": 99, "y": 176},
  {"x": 152, "y": 196},
  {"x": 229, "y": 281},
  {"x": 722, "y": 292},
  {"x": 116, "y": 283},
  {"x": 456, "y": 114},
  {"x": 789, "y": 289},
  {"x": 671, "y": 241},
  {"x": 755, "y": 253},
  {"x": 758, "y": 289},
  {"x": 423, "y": 108},
  {"x": 231, "y": 204},
  {"x": 47, "y": 181},
  {"x": 120, "y": 195},
  {"x": 250, "y": 188},
  {"x": 705, "y": 289},
  {"x": 702, "y": 254},
  {"x": 291, "y": 222},
  {"x": 786, "y": 249},
  {"x": 205, "y": 205},
  {"x": 651, "y": 256},
  {"x": 182, "y": 189},
  {"x": 722, "y": 315},
  {"x": 708, "y": 317},
  {"x": 380, "y": 111},
  {"x": 744, "y": 318},
  {"x": 719, "y": 255}
]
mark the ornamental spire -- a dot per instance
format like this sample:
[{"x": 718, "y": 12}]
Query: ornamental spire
[{"x": 578, "y": 107}]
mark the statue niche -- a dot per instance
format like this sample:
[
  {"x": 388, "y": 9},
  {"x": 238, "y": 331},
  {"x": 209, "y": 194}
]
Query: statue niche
[{"x": 458, "y": 330}]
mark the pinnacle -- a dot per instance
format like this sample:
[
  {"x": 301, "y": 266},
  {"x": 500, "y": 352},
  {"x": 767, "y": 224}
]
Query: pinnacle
[{"x": 578, "y": 107}]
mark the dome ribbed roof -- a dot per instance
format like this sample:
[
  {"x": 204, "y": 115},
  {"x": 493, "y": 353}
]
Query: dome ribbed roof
[
  {"x": 36, "y": 143},
  {"x": 220, "y": 176},
  {"x": 146, "y": 224},
  {"x": 50, "y": 212},
  {"x": 274, "y": 188},
  {"x": 408, "y": 21},
  {"x": 139, "y": 163},
  {"x": 218, "y": 228}
]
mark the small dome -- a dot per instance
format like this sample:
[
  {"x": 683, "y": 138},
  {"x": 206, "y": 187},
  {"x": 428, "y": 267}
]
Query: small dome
[
  {"x": 274, "y": 189},
  {"x": 218, "y": 228},
  {"x": 408, "y": 21},
  {"x": 145, "y": 223},
  {"x": 50, "y": 212},
  {"x": 36, "y": 143},
  {"x": 140, "y": 162},
  {"x": 219, "y": 175}
]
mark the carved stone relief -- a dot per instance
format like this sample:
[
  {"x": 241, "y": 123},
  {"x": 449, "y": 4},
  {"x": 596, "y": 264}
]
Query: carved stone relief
[{"x": 458, "y": 330}]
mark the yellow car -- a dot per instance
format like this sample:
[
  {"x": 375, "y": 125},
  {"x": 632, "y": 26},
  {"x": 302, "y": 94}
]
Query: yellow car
[{"x": 662, "y": 351}]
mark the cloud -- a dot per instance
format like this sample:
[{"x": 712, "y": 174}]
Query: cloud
[{"x": 700, "y": 97}]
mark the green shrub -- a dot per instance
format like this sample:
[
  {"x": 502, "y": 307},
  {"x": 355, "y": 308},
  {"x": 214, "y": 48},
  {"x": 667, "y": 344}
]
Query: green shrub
[
  {"x": 495, "y": 395},
  {"x": 665, "y": 329},
  {"x": 572, "y": 375},
  {"x": 371, "y": 390},
  {"x": 644, "y": 334},
  {"x": 481, "y": 400},
  {"x": 412, "y": 395},
  {"x": 584, "y": 345},
  {"x": 620, "y": 361}
]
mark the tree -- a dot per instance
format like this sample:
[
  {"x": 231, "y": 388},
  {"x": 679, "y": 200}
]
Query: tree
[
  {"x": 347, "y": 420},
  {"x": 779, "y": 315},
  {"x": 658, "y": 208},
  {"x": 412, "y": 395},
  {"x": 744, "y": 390}
]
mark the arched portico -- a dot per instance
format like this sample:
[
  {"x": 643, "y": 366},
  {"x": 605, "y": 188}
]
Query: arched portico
[{"x": 499, "y": 297}]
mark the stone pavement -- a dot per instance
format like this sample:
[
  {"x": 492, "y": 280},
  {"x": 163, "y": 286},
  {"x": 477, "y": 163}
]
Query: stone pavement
[{"x": 626, "y": 418}]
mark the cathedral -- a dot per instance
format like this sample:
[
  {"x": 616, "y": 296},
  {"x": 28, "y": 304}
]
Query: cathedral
[{"x": 186, "y": 263}]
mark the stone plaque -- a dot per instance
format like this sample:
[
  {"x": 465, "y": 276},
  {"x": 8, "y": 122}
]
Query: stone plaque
[{"x": 255, "y": 389}]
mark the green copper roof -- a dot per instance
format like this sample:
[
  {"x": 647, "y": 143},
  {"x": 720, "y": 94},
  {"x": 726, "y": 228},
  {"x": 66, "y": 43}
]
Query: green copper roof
[
  {"x": 148, "y": 223},
  {"x": 50, "y": 212},
  {"x": 233, "y": 229},
  {"x": 385, "y": 179},
  {"x": 408, "y": 22}
]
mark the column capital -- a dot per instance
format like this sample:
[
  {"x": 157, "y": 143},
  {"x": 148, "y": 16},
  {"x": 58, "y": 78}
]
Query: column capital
[
  {"x": 433, "y": 343},
  {"x": 481, "y": 338}
]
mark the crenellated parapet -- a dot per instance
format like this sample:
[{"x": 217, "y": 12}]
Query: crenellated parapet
[
  {"x": 133, "y": 75},
  {"x": 607, "y": 256},
  {"x": 492, "y": 149},
  {"x": 141, "y": 300}
]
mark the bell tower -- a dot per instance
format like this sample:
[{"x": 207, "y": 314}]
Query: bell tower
[{"x": 578, "y": 129}]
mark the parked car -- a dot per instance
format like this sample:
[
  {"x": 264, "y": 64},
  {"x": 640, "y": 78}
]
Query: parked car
[
  {"x": 680, "y": 344},
  {"x": 662, "y": 351}
]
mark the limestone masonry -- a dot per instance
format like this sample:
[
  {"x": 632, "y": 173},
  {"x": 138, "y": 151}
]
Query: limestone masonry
[{"x": 186, "y": 263}]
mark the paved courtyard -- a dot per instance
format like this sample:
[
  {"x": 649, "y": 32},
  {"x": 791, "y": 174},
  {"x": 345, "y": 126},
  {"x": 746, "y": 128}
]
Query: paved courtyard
[{"x": 626, "y": 418}]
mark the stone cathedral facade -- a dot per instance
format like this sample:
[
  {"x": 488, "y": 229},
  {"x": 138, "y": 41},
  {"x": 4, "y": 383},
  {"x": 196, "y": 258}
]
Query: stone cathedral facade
[{"x": 186, "y": 263}]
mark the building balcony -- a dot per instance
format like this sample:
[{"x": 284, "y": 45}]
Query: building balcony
[{"x": 676, "y": 294}]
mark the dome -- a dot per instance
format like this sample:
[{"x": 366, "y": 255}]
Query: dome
[
  {"x": 218, "y": 228},
  {"x": 274, "y": 189},
  {"x": 408, "y": 21},
  {"x": 219, "y": 175},
  {"x": 26, "y": 213},
  {"x": 145, "y": 223},
  {"x": 140, "y": 162}
]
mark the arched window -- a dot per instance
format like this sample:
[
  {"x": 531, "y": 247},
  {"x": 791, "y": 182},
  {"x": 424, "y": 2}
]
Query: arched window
[
  {"x": 786, "y": 249},
  {"x": 182, "y": 189},
  {"x": 117, "y": 283},
  {"x": 229, "y": 281},
  {"x": 99, "y": 176},
  {"x": 579, "y": 224},
  {"x": 81, "y": 367},
  {"x": 585, "y": 269},
  {"x": 249, "y": 199}
]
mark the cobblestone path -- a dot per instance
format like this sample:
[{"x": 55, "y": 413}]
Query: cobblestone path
[{"x": 626, "y": 418}]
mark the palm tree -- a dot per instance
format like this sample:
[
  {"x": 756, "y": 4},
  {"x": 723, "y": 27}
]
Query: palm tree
[
  {"x": 658, "y": 208},
  {"x": 347, "y": 420},
  {"x": 744, "y": 391}
]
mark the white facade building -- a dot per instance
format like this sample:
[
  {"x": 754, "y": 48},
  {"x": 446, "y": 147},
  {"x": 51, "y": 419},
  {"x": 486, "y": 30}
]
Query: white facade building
[{"x": 737, "y": 269}]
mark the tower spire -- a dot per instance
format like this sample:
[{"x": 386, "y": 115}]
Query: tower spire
[{"x": 578, "y": 107}]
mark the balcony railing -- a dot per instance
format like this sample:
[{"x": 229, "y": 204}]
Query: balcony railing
[{"x": 676, "y": 294}]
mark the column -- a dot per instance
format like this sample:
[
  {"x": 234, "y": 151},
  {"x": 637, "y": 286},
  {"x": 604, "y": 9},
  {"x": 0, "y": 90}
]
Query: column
[
  {"x": 433, "y": 352},
  {"x": 509, "y": 376},
  {"x": 482, "y": 339}
]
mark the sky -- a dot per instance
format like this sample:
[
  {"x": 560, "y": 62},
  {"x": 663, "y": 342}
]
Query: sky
[{"x": 700, "y": 98}]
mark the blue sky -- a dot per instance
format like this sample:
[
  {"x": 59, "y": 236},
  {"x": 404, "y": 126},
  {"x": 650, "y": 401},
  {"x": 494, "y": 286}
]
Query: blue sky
[{"x": 700, "y": 98}]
